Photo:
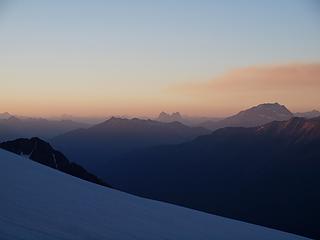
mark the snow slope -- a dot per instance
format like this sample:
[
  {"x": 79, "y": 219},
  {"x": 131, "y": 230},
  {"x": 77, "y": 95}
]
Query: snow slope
[{"x": 37, "y": 202}]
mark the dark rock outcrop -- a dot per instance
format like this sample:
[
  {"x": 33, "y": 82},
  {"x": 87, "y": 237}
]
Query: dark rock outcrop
[{"x": 41, "y": 152}]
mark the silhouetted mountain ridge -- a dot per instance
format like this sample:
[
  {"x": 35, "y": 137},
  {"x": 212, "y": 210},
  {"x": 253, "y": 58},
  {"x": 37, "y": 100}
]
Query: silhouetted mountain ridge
[
  {"x": 299, "y": 129},
  {"x": 95, "y": 146},
  {"x": 15, "y": 127},
  {"x": 267, "y": 175},
  {"x": 41, "y": 152},
  {"x": 134, "y": 124}
]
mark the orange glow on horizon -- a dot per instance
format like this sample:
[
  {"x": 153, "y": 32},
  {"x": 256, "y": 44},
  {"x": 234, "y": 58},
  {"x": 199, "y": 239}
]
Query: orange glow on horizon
[{"x": 295, "y": 85}]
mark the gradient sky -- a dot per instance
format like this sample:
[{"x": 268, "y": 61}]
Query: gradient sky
[{"x": 128, "y": 57}]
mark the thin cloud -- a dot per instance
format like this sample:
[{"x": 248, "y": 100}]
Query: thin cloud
[
  {"x": 297, "y": 85},
  {"x": 259, "y": 78}
]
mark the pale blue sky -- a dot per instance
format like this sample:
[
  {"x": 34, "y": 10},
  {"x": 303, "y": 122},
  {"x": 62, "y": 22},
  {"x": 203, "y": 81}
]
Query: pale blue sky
[{"x": 148, "y": 43}]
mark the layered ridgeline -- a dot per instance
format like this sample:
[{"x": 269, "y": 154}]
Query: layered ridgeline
[
  {"x": 40, "y": 151},
  {"x": 95, "y": 146},
  {"x": 13, "y": 127},
  {"x": 252, "y": 117},
  {"x": 310, "y": 114},
  {"x": 268, "y": 175},
  {"x": 40, "y": 203}
]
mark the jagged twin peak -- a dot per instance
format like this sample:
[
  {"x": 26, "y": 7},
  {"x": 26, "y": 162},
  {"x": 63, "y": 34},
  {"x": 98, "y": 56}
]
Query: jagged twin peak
[{"x": 165, "y": 117}]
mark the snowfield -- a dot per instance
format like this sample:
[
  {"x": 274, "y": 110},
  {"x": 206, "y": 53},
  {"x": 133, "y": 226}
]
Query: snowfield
[{"x": 37, "y": 202}]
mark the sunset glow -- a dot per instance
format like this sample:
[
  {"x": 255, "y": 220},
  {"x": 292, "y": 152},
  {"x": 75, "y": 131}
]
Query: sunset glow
[{"x": 112, "y": 58}]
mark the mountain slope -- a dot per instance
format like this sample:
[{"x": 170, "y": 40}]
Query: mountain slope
[
  {"x": 41, "y": 152},
  {"x": 268, "y": 175},
  {"x": 255, "y": 116},
  {"x": 14, "y": 127},
  {"x": 40, "y": 203},
  {"x": 116, "y": 136},
  {"x": 5, "y": 115}
]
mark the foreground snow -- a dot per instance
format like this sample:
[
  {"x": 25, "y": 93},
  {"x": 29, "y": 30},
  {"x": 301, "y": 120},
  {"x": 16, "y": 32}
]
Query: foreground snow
[{"x": 37, "y": 202}]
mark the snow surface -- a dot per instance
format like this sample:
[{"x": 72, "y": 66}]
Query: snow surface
[{"x": 38, "y": 202}]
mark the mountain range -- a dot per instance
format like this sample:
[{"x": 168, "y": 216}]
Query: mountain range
[
  {"x": 14, "y": 127},
  {"x": 268, "y": 175},
  {"x": 95, "y": 146},
  {"x": 260, "y": 165},
  {"x": 254, "y": 116}
]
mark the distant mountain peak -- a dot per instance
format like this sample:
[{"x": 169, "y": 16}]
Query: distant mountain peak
[
  {"x": 5, "y": 115},
  {"x": 165, "y": 117},
  {"x": 274, "y": 111},
  {"x": 254, "y": 116},
  {"x": 164, "y": 114},
  {"x": 276, "y": 107},
  {"x": 176, "y": 115}
]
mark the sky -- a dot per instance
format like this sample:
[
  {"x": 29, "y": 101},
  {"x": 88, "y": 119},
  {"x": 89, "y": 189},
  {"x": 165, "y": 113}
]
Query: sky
[{"x": 204, "y": 58}]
